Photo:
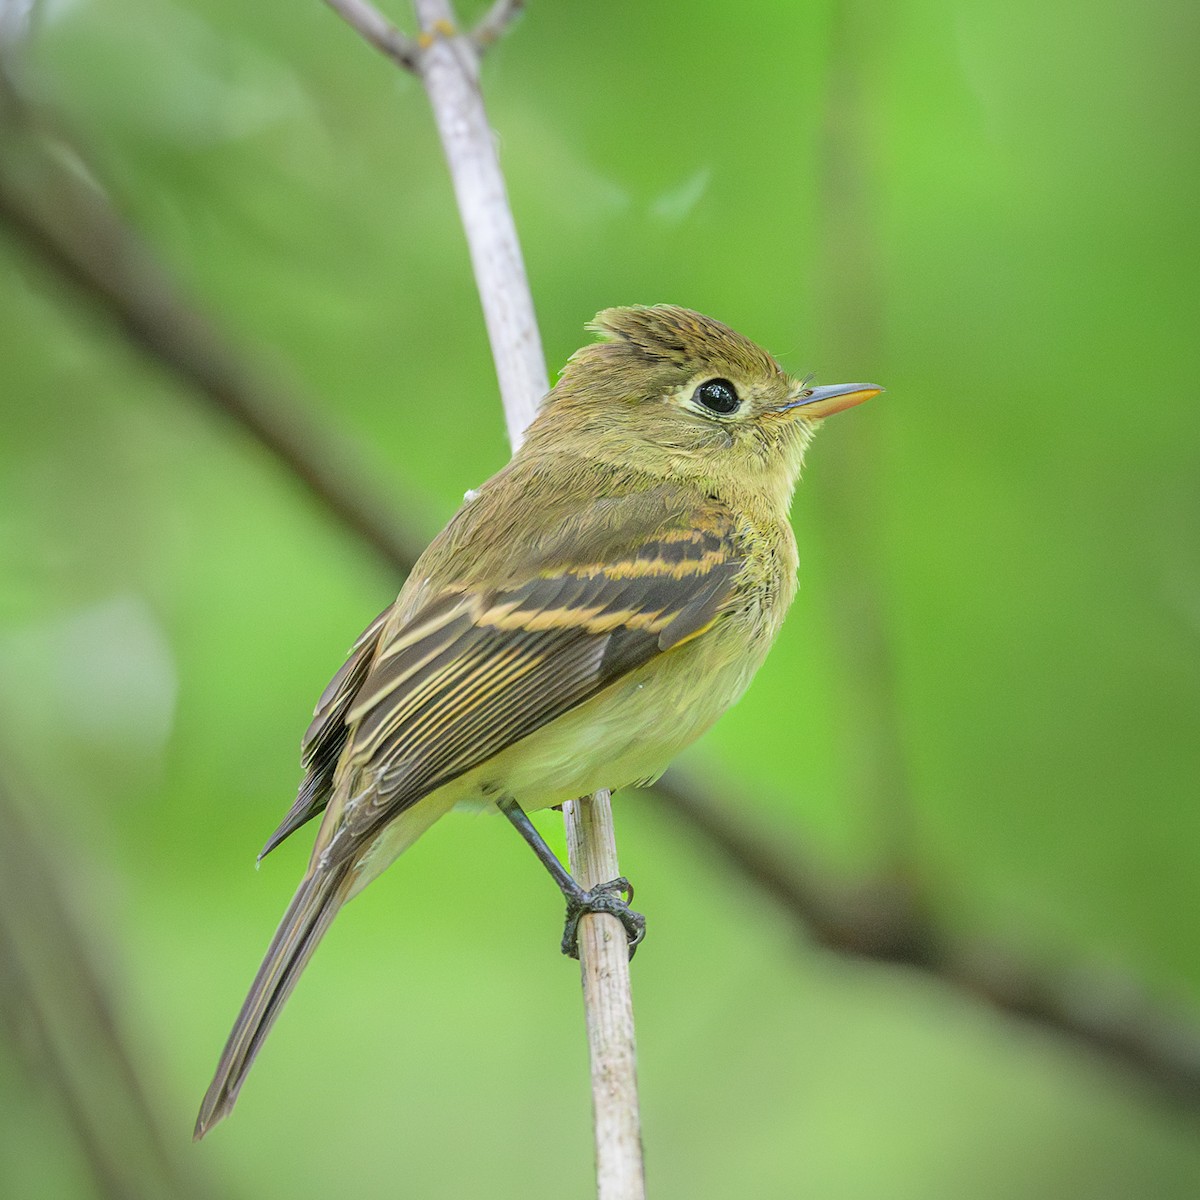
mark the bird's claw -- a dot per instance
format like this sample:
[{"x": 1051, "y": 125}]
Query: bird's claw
[{"x": 614, "y": 898}]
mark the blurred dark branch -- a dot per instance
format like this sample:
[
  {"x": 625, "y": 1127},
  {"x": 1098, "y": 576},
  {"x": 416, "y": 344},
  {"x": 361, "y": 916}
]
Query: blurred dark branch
[
  {"x": 880, "y": 921},
  {"x": 62, "y": 1022},
  {"x": 80, "y": 237},
  {"x": 50, "y": 201},
  {"x": 27, "y": 1031}
]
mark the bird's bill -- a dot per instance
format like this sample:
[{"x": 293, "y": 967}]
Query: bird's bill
[{"x": 825, "y": 401}]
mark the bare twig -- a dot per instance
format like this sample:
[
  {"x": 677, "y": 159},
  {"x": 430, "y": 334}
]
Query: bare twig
[
  {"x": 869, "y": 923},
  {"x": 450, "y": 71},
  {"x": 608, "y": 1004},
  {"x": 380, "y": 32},
  {"x": 495, "y": 22}
]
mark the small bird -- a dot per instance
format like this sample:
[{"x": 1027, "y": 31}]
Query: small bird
[{"x": 590, "y": 611}]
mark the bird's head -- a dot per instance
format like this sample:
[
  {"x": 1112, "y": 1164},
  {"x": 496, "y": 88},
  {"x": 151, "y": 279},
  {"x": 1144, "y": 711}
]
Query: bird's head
[{"x": 680, "y": 395}]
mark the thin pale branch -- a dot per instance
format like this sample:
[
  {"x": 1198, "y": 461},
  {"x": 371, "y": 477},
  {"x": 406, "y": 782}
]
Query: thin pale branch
[
  {"x": 450, "y": 72},
  {"x": 608, "y": 1007},
  {"x": 872, "y": 924},
  {"x": 380, "y": 32}
]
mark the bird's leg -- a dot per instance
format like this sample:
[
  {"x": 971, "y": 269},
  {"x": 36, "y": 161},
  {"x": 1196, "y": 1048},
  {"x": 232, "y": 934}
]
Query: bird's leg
[{"x": 613, "y": 897}]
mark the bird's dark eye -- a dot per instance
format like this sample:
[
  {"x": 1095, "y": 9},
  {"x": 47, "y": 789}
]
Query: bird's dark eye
[{"x": 718, "y": 396}]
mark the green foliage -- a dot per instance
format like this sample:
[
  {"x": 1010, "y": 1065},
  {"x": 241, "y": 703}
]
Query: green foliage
[{"x": 989, "y": 208}]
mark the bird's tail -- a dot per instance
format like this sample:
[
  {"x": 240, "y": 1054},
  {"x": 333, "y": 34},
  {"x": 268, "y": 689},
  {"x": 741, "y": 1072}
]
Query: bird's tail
[{"x": 313, "y": 907}]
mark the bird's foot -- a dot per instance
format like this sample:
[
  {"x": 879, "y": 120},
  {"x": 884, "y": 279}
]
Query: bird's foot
[{"x": 614, "y": 898}]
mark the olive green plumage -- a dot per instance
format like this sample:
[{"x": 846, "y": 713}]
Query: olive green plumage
[{"x": 587, "y": 613}]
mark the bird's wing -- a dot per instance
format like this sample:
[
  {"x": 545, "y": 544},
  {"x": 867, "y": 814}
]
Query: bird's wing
[
  {"x": 325, "y": 738},
  {"x": 478, "y": 669}
]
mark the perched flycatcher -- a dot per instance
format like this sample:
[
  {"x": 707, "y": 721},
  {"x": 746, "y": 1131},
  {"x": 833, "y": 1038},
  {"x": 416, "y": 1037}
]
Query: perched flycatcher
[{"x": 588, "y": 613}]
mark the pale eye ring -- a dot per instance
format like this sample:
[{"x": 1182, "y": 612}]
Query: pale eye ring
[{"x": 717, "y": 396}]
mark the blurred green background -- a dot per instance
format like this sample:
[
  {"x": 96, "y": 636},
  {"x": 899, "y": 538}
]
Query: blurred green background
[{"x": 990, "y": 208}]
